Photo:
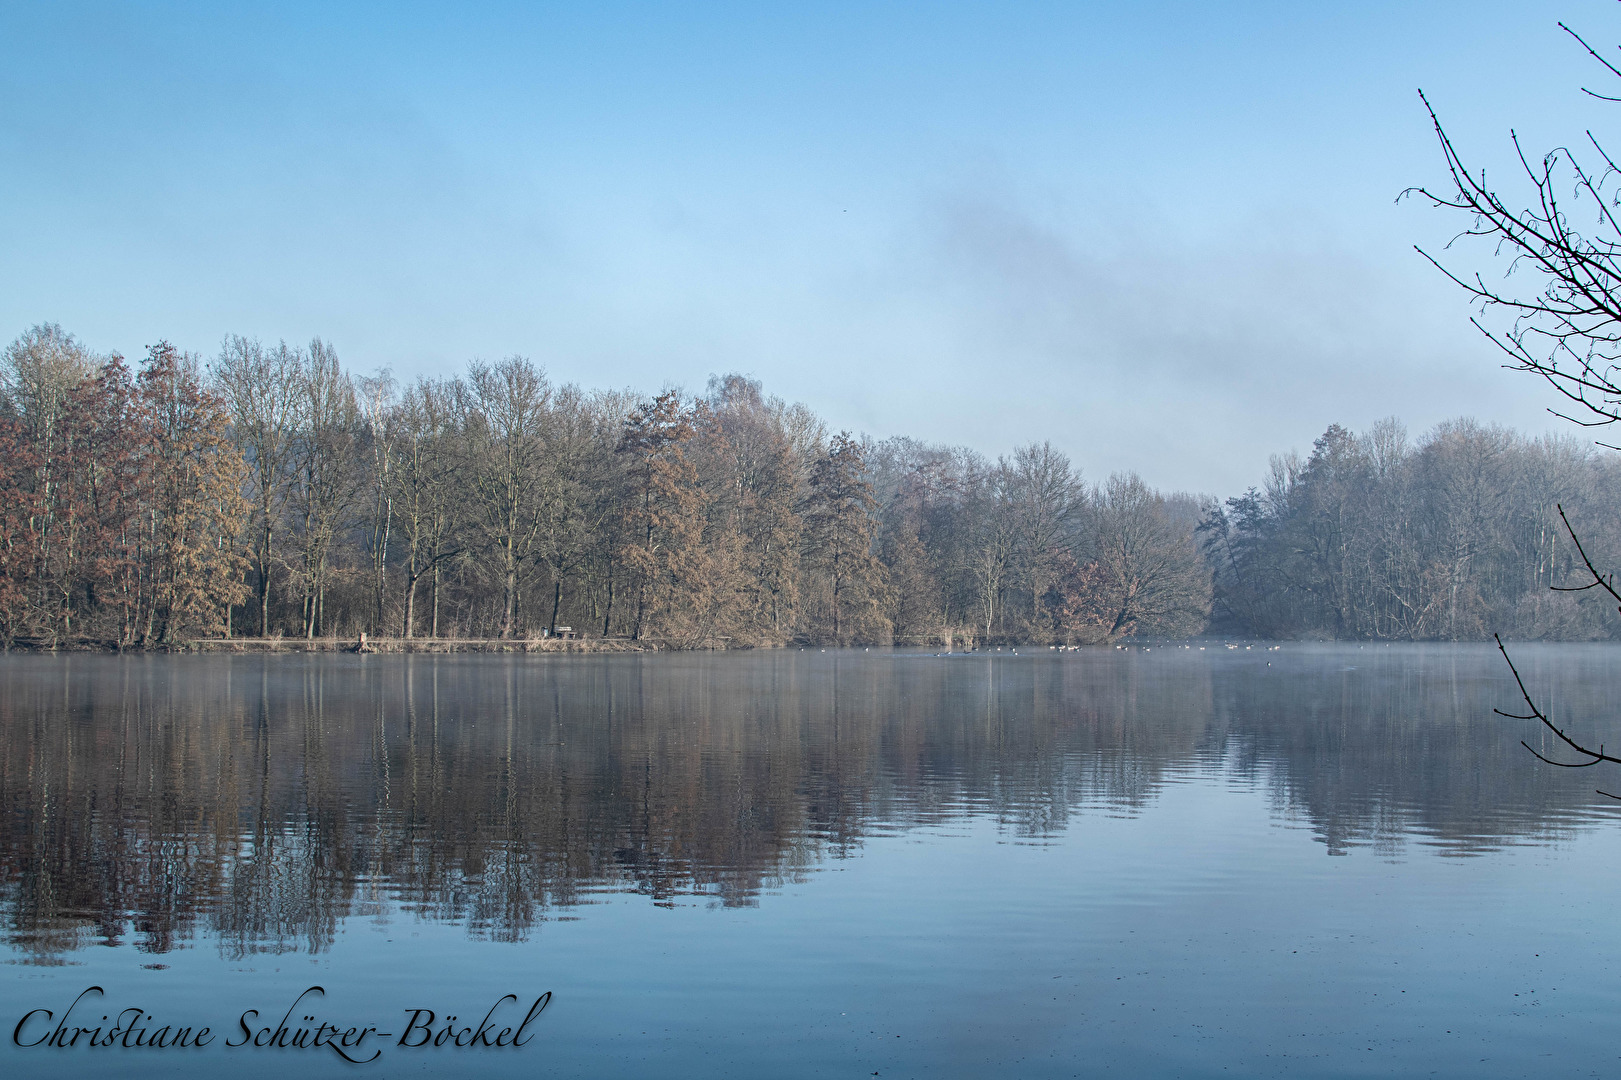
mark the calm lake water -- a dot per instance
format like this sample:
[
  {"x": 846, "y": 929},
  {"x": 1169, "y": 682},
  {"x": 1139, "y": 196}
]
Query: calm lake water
[{"x": 1310, "y": 861}]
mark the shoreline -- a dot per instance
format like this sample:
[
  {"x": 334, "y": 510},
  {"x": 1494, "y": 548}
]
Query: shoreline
[{"x": 352, "y": 645}]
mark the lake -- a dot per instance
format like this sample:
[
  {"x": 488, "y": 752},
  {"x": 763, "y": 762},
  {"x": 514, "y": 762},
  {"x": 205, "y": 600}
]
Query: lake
[{"x": 1166, "y": 861}]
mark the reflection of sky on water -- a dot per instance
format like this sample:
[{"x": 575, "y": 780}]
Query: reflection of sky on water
[{"x": 720, "y": 849}]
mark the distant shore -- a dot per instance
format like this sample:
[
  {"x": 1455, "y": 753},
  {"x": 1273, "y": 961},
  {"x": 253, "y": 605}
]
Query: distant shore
[{"x": 357, "y": 645}]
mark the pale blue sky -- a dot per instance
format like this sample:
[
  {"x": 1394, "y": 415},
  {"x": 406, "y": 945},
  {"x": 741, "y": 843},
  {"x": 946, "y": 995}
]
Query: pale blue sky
[{"x": 1162, "y": 235}]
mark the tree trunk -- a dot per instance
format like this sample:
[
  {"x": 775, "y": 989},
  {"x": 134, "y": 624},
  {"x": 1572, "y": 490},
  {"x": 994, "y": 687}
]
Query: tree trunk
[
  {"x": 433, "y": 627},
  {"x": 509, "y": 610},
  {"x": 410, "y": 603},
  {"x": 264, "y": 585}
]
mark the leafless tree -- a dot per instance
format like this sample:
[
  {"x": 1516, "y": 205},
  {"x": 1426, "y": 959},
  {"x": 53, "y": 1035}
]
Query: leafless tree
[
  {"x": 38, "y": 371},
  {"x": 1151, "y": 576},
  {"x": 260, "y": 386},
  {"x": 1599, "y": 580},
  {"x": 376, "y": 398},
  {"x": 994, "y": 540},
  {"x": 1565, "y": 325},
  {"x": 423, "y": 484},
  {"x": 562, "y": 508},
  {"x": 507, "y": 407},
  {"x": 1047, "y": 499},
  {"x": 328, "y": 476}
]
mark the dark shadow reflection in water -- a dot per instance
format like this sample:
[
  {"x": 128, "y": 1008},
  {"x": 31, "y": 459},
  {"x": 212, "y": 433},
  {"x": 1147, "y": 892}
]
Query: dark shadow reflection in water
[{"x": 256, "y": 802}]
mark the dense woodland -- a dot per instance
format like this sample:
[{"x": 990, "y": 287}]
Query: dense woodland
[
  {"x": 268, "y": 491},
  {"x": 1455, "y": 537}
]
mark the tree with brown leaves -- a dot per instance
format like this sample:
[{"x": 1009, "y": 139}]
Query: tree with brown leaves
[
  {"x": 838, "y": 544},
  {"x": 661, "y": 553},
  {"x": 195, "y": 511}
]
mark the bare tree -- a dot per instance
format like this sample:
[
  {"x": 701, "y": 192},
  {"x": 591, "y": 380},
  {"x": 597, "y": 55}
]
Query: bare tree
[
  {"x": 606, "y": 489},
  {"x": 1047, "y": 497},
  {"x": 1149, "y": 575},
  {"x": 328, "y": 479},
  {"x": 38, "y": 370},
  {"x": 507, "y": 404},
  {"x": 260, "y": 387},
  {"x": 1565, "y": 326},
  {"x": 1603, "y": 581},
  {"x": 561, "y": 504},
  {"x": 376, "y": 396},
  {"x": 994, "y": 540},
  {"x": 423, "y": 483},
  {"x": 38, "y": 373},
  {"x": 1564, "y": 322}
]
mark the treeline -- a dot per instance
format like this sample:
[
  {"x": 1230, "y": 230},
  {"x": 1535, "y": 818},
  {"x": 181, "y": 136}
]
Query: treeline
[
  {"x": 271, "y": 492},
  {"x": 1454, "y": 538}
]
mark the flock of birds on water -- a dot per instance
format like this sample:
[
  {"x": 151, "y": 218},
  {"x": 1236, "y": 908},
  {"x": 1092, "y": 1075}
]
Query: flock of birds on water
[{"x": 1013, "y": 650}]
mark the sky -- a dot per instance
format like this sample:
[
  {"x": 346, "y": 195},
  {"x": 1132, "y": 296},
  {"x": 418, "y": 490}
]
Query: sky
[{"x": 1164, "y": 236}]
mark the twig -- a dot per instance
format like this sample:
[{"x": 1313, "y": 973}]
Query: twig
[{"x": 1537, "y": 714}]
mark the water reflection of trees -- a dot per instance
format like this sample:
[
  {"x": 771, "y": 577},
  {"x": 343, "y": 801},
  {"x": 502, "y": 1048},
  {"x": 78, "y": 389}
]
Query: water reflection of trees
[
  {"x": 259, "y": 801},
  {"x": 1379, "y": 745}
]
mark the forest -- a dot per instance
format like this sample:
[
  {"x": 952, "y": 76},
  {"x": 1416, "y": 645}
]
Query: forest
[{"x": 268, "y": 491}]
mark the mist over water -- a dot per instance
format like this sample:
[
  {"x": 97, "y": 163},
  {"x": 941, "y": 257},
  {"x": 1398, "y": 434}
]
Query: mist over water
[{"x": 884, "y": 818}]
